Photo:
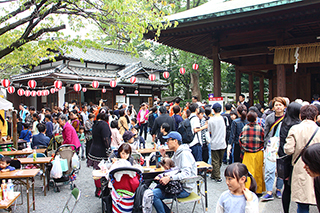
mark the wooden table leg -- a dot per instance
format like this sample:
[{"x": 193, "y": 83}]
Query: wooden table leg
[
  {"x": 205, "y": 189},
  {"x": 33, "y": 197},
  {"x": 44, "y": 179},
  {"x": 28, "y": 205}
]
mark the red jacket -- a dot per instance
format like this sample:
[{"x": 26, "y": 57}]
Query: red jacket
[{"x": 70, "y": 136}]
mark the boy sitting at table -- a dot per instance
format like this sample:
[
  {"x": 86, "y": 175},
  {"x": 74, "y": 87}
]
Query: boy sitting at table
[
  {"x": 5, "y": 164},
  {"x": 138, "y": 139}
]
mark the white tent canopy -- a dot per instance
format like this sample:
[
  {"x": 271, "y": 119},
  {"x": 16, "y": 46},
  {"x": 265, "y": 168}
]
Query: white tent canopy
[{"x": 5, "y": 105}]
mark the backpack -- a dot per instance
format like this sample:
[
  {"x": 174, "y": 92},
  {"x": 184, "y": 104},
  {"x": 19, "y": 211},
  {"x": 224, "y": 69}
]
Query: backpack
[
  {"x": 185, "y": 130},
  {"x": 143, "y": 199}
]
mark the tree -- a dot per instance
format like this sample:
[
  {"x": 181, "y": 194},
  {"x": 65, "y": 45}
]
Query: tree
[{"x": 31, "y": 29}]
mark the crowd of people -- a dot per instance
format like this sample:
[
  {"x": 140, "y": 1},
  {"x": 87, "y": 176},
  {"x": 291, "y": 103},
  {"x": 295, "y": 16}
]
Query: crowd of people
[{"x": 249, "y": 138}]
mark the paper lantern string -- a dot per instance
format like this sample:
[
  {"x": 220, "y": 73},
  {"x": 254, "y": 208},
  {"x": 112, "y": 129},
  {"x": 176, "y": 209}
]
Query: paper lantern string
[{"x": 296, "y": 55}]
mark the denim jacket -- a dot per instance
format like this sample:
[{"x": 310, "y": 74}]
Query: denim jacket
[{"x": 236, "y": 129}]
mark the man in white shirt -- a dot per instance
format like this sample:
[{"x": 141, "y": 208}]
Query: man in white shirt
[
  {"x": 85, "y": 114},
  {"x": 196, "y": 144},
  {"x": 217, "y": 129}
]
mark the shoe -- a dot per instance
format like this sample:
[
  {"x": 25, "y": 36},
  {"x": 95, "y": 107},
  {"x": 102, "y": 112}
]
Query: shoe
[
  {"x": 267, "y": 197},
  {"x": 217, "y": 180},
  {"x": 98, "y": 193},
  {"x": 278, "y": 194}
]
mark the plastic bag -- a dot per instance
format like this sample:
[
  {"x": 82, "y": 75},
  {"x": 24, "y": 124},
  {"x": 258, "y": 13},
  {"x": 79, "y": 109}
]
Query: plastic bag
[
  {"x": 56, "y": 171},
  {"x": 75, "y": 161},
  {"x": 102, "y": 165}
]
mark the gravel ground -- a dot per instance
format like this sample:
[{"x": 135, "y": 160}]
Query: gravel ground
[{"x": 88, "y": 203}]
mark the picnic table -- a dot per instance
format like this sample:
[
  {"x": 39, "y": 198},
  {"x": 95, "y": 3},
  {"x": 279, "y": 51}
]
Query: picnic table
[
  {"x": 21, "y": 152},
  {"x": 41, "y": 161},
  {"x": 20, "y": 176},
  {"x": 6, "y": 204},
  {"x": 9, "y": 143},
  {"x": 150, "y": 150}
]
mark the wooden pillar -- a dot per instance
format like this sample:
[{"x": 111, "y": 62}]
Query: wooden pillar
[
  {"x": 308, "y": 88},
  {"x": 251, "y": 89},
  {"x": 14, "y": 129},
  {"x": 294, "y": 86},
  {"x": 281, "y": 81},
  {"x": 238, "y": 84},
  {"x": 216, "y": 72},
  {"x": 270, "y": 89},
  {"x": 261, "y": 88}
]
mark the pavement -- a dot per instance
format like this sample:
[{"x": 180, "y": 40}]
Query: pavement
[{"x": 88, "y": 203}]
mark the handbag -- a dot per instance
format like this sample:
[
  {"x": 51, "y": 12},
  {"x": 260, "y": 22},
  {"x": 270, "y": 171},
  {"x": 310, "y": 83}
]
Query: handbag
[
  {"x": 284, "y": 166},
  {"x": 173, "y": 187}
]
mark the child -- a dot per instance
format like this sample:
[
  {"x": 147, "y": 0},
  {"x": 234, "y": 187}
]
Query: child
[
  {"x": 82, "y": 139},
  {"x": 5, "y": 164},
  {"x": 238, "y": 199},
  {"x": 26, "y": 133},
  {"x": 169, "y": 167},
  {"x": 164, "y": 130},
  {"x": 138, "y": 140},
  {"x": 116, "y": 138},
  {"x": 56, "y": 126},
  {"x": 128, "y": 137},
  {"x": 124, "y": 152},
  {"x": 133, "y": 122}
]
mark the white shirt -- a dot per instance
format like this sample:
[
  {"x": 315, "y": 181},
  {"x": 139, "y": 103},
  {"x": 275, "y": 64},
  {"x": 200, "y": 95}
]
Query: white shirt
[
  {"x": 195, "y": 123},
  {"x": 217, "y": 128}
]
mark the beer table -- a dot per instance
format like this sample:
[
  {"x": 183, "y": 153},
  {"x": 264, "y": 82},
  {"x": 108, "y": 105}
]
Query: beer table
[
  {"x": 6, "y": 204},
  {"x": 150, "y": 150},
  {"x": 21, "y": 152},
  {"x": 7, "y": 143},
  {"x": 19, "y": 176},
  {"x": 42, "y": 161}
]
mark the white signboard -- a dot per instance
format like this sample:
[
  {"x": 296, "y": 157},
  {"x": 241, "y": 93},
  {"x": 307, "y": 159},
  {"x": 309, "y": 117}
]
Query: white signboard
[
  {"x": 120, "y": 99},
  {"x": 213, "y": 100}
]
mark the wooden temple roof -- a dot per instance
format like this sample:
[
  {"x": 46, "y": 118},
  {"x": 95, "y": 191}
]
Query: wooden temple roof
[{"x": 244, "y": 30}]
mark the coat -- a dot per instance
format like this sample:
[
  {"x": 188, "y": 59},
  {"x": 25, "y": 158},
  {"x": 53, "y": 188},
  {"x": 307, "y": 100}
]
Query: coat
[
  {"x": 302, "y": 189},
  {"x": 70, "y": 136},
  {"x": 123, "y": 125}
]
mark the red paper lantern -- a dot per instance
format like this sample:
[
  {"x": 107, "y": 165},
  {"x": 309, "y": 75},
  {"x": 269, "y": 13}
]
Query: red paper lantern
[
  {"x": 182, "y": 70},
  {"x": 113, "y": 83},
  {"x": 20, "y": 92},
  {"x": 152, "y": 77},
  {"x": 121, "y": 91},
  {"x": 58, "y": 84},
  {"x": 195, "y": 66},
  {"x": 84, "y": 89},
  {"x": 166, "y": 75},
  {"x": 39, "y": 93},
  {"x": 56, "y": 89},
  {"x": 53, "y": 90},
  {"x": 5, "y": 83},
  {"x": 27, "y": 93},
  {"x": 136, "y": 92},
  {"x": 77, "y": 87},
  {"x": 133, "y": 79},
  {"x": 95, "y": 84},
  {"x": 45, "y": 92},
  {"x": 11, "y": 89},
  {"x": 32, "y": 84},
  {"x": 104, "y": 90},
  {"x": 33, "y": 93}
]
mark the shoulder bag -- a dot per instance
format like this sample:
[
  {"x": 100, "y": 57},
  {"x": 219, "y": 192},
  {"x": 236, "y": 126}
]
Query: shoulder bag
[{"x": 284, "y": 165}]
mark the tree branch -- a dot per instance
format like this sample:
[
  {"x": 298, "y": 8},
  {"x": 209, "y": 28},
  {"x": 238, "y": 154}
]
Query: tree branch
[
  {"x": 21, "y": 9},
  {"x": 33, "y": 37}
]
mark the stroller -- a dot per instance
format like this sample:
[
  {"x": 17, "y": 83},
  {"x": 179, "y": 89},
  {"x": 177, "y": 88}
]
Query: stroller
[
  {"x": 121, "y": 197},
  {"x": 69, "y": 176}
]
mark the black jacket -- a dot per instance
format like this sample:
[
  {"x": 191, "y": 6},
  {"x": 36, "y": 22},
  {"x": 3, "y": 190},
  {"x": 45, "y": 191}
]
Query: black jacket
[{"x": 163, "y": 118}]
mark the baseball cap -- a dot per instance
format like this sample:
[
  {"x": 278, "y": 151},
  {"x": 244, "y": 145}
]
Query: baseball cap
[
  {"x": 127, "y": 135},
  {"x": 216, "y": 107},
  {"x": 173, "y": 135}
]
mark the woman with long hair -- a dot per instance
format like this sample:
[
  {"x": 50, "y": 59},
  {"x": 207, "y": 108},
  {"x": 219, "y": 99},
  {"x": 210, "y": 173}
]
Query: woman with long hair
[
  {"x": 291, "y": 118},
  {"x": 123, "y": 122},
  {"x": 236, "y": 129},
  {"x": 302, "y": 189},
  {"x": 101, "y": 142}
]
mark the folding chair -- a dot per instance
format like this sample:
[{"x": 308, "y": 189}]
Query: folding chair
[
  {"x": 193, "y": 197},
  {"x": 76, "y": 193}
]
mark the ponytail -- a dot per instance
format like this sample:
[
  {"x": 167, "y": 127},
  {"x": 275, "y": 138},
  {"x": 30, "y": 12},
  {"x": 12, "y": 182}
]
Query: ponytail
[
  {"x": 242, "y": 110},
  {"x": 253, "y": 184}
]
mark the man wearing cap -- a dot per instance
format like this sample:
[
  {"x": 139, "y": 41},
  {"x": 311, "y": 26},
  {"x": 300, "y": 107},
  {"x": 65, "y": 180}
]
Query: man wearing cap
[
  {"x": 217, "y": 129},
  {"x": 163, "y": 118},
  {"x": 184, "y": 160}
]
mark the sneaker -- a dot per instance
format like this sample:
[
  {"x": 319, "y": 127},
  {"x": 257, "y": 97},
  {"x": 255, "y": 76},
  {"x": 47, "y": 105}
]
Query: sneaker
[
  {"x": 278, "y": 194},
  {"x": 216, "y": 180},
  {"x": 267, "y": 197}
]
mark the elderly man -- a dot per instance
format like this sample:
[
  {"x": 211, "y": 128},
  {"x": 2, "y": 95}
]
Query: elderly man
[
  {"x": 69, "y": 134},
  {"x": 184, "y": 160}
]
